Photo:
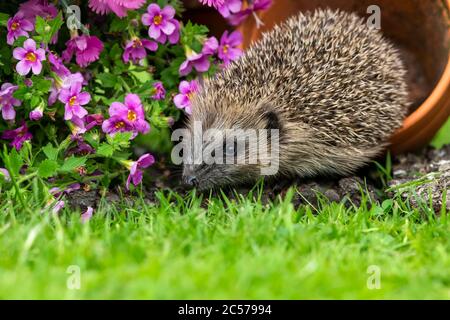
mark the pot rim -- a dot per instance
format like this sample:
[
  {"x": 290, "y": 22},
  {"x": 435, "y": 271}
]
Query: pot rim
[{"x": 433, "y": 100}]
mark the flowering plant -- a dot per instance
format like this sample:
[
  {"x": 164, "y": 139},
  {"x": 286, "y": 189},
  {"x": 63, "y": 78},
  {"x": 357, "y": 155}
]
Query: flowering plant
[{"x": 75, "y": 94}]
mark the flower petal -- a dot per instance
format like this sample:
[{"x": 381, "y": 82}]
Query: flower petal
[
  {"x": 83, "y": 98},
  {"x": 29, "y": 45},
  {"x": 23, "y": 68},
  {"x": 19, "y": 53},
  {"x": 37, "y": 67}
]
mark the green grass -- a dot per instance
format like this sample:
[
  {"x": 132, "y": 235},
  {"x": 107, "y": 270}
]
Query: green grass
[
  {"x": 229, "y": 249},
  {"x": 183, "y": 249}
]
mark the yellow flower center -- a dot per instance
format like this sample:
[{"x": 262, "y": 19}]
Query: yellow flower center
[
  {"x": 190, "y": 95},
  {"x": 72, "y": 101},
  {"x": 119, "y": 125},
  {"x": 15, "y": 26},
  {"x": 157, "y": 20},
  {"x": 31, "y": 57},
  {"x": 225, "y": 48},
  {"x": 137, "y": 43},
  {"x": 132, "y": 116}
]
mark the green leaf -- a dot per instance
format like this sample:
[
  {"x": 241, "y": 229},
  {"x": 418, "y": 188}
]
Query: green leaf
[
  {"x": 116, "y": 52},
  {"x": 118, "y": 25},
  {"x": 35, "y": 101},
  {"x": 40, "y": 25},
  {"x": 15, "y": 162},
  {"x": 119, "y": 140},
  {"x": 55, "y": 25},
  {"x": 108, "y": 80},
  {"x": 105, "y": 150},
  {"x": 50, "y": 152},
  {"x": 47, "y": 29},
  {"x": 43, "y": 85},
  {"x": 72, "y": 163},
  {"x": 4, "y": 19},
  {"x": 47, "y": 168},
  {"x": 21, "y": 92}
]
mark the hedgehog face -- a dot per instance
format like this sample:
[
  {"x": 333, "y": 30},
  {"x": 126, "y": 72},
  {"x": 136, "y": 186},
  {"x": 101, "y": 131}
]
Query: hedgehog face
[{"x": 219, "y": 153}]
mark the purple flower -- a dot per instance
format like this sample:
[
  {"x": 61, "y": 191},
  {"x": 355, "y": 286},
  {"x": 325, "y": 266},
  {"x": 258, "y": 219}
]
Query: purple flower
[
  {"x": 228, "y": 48},
  {"x": 57, "y": 66},
  {"x": 37, "y": 113},
  {"x": 199, "y": 61},
  {"x": 136, "y": 167},
  {"x": 82, "y": 148},
  {"x": 42, "y": 8},
  {"x": 30, "y": 58},
  {"x": 57, "y": 193},
  {"x": 162, "y": 25},
  {"x": 126, "y": 117},
  {"x": 93, "y": 120},
  {"x": 87, "y": 49},
  {"x": 135, "y": 49},
  {"x": 187, "y": 91},
  {"x": 8, "y": 102},
  {"x": 86, "y": 216},
  {"x": 5, "y": 174},
  {"x": 159, "y": 91},
  {"x": 119, "y": 7},
  {"x": 229, "y": 7},
  {"x": 33, "y": 8},
  {"x": 58, "y": 207},
  {"x": 213, "y": 3},
  {"x": 18, "y": 136},
  {"x": 74, "y": 99},
  {"x": 18, "y": 26},
  {"x": 63, "y": 82},
  {"x": 257, "y": 5}
]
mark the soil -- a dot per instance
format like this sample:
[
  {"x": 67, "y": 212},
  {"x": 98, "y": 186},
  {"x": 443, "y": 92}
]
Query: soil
[{"x": 430, "y": 168}]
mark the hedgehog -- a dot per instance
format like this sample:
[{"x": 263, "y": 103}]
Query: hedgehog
[{"x": 332, "y": 88}]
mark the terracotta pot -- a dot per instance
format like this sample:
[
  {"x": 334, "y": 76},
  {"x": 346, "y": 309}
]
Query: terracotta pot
[{"x": 421, "y": 31}]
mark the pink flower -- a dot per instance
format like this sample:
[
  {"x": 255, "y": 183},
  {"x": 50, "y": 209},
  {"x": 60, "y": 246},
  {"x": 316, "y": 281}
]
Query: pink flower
[
  {"x": 257, "y": 5},
  {"x": 184, "y": 98},
  {"x": 162, "y": 24},
  {"x": 5, "y": 174},
  {"x": 81, "y": 148},
  {"x": 64, "y": 82},
  {"x": 33, "y": 8},
  {"x": 86, "y": 216},
  {"x": 119, "y": 7},
  {"x": 87, "y": 49},
  {"x": 30, "y": 58},
  {"x": 213, "y": 3},
  {"x": 228, "y": 48},
  {"x": 199, "y": 61},
  {"x": 136, "y": 167},
  {"x": 18, "y": 136},
  {"x": 57, "y": 66},
  {"x": 126, "y": 117},
  {"x": 229, "y": 7},
  {"x": 42, "y": 8},
  {"x": 18, "y": 26},
  {"x": 58, "y": 207},
  {"x": 74, "y": 99},
  {"x": 160, "y": 92},
  {"x": 135, "y": 49},
  {"x": 8, "y": 102},
  {"x": 37, "y": 113}
]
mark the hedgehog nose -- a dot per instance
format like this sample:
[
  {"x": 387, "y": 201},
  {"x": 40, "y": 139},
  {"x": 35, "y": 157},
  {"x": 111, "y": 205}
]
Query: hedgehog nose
[{"x": 191, "y": 180}]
